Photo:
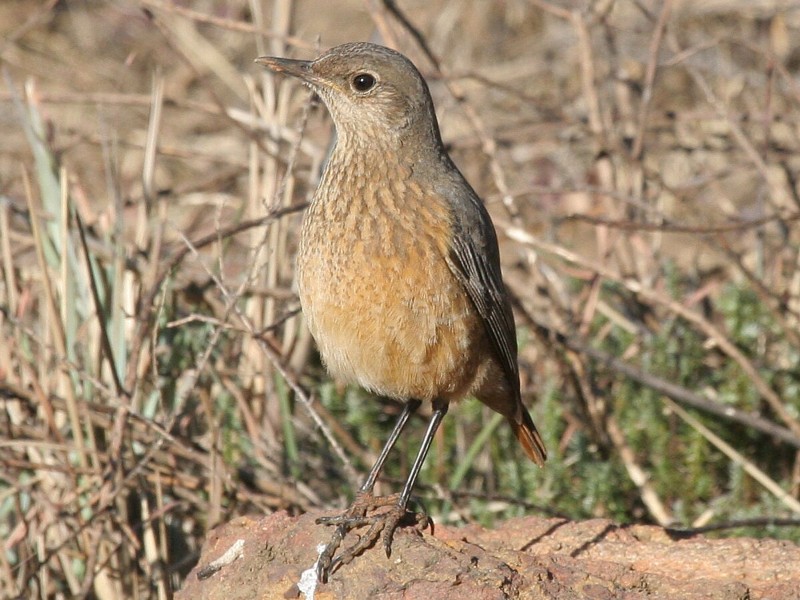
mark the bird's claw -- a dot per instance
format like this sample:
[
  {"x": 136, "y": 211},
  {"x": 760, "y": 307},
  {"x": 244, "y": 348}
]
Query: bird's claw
[{"x": 381, "y": 525}]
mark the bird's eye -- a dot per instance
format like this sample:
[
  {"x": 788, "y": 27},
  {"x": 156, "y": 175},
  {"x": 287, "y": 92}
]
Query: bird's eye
[{"x": 363, "y": 82}]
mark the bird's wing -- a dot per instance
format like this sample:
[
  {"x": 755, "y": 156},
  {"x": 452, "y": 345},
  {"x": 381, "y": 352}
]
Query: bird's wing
[{"x": 475, "y": 261}]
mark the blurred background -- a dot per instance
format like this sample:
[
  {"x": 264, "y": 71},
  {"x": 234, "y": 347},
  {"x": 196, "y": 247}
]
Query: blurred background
[{"x": 640, "y": 161}]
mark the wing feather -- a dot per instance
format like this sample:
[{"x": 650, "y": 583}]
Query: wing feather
[{"x": 475, "y": 261}]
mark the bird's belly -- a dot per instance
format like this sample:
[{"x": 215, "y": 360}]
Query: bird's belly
[{"x": 399, "y": 325}]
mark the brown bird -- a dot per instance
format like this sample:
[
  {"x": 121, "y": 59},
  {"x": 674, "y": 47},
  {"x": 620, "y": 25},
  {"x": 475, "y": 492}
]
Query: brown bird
[{"x": 398, "y": 269}]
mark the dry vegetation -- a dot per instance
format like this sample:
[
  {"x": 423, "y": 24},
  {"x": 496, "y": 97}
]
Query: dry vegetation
[{"x": 640, "y": 160}]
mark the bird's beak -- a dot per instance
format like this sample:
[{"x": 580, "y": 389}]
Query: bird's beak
[{"x": 296, "y": 68}]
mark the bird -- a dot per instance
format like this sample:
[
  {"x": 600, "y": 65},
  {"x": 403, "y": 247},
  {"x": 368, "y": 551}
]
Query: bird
[{"x": 398, "y": 271}]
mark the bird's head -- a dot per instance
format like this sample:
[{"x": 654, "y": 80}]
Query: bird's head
[{"x": 372, "y": 92}]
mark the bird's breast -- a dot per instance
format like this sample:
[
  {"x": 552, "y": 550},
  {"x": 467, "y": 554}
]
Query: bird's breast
[{"x": 379, "y": 298}]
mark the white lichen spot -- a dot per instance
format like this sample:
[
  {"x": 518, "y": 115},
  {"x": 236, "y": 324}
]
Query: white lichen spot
[{"x": 308, "y": 578}]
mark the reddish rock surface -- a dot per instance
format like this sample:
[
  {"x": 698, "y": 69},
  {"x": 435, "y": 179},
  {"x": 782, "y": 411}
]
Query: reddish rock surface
[{"x": 525, "y": 558}]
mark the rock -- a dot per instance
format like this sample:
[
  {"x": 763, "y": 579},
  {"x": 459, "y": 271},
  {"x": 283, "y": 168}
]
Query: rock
[{"x": 528, "y": 558}]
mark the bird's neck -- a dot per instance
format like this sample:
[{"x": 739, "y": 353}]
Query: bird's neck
[
  {"x": 369, "y": 160},
  {"x": 363, "y": 179}
]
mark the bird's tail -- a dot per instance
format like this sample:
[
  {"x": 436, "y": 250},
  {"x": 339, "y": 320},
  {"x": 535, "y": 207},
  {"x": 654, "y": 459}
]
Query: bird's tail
[{"x": 529, "y": 437}]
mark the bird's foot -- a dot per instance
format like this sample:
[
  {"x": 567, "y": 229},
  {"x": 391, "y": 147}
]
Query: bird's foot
[{"x": 382, "y": 524}]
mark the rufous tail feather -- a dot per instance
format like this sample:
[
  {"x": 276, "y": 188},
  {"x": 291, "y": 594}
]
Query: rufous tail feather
[{"x": 529, "y": 437}]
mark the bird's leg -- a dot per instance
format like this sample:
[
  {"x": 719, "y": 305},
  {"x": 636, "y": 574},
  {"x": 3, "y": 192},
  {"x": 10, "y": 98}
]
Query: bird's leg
[
  {"x": 364, "y": 500},
  {"x": 395, "y": 516},
  {"x": 385, "y": 522}
]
